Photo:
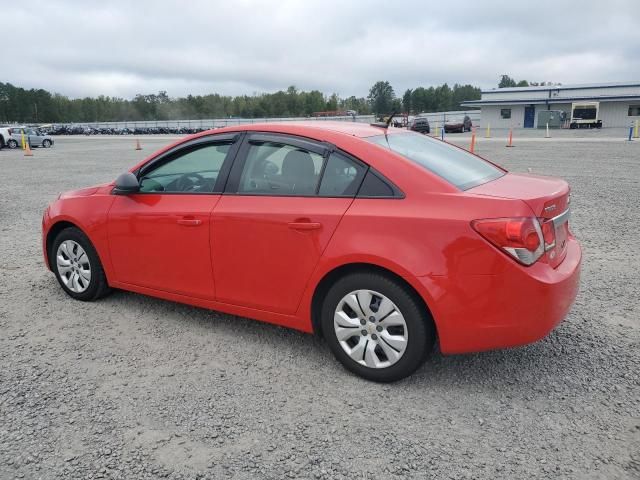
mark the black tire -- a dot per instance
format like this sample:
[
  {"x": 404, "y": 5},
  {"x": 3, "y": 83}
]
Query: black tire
[
  {"x": 98, "y": 286},
  {"x": 12, "y": 143},
  {"x": 46, "y": 143},
  {"x": 419, "y": 324}
]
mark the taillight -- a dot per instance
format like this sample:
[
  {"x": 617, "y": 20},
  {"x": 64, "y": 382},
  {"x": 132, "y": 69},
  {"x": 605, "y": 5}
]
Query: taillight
[
  {"x": 548, "y": 234},
  {"x": 520, "y": 237}
]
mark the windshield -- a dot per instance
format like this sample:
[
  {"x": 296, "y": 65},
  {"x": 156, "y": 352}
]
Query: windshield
[{"x": 455, "y": 165}]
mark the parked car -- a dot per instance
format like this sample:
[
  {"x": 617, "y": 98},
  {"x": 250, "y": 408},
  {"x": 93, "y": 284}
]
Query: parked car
[
  {"x": 35, "y": 137},
  {"x": 381, "y": 240},
  {"x": 400, "y": 121},
  {"x": 420, "y": 125},
  {"x": 458, "y": 124},
  {"x": 5, "y": 135}
]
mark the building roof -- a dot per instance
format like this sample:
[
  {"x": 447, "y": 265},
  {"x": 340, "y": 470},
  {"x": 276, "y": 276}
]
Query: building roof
[
  {"x": 544, "y": 101},
  {"x": 575, "y": 86},
  {"x": 548, "y": 94}
]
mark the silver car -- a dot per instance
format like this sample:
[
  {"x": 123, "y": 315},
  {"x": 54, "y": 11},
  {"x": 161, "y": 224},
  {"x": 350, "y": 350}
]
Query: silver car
[{"x": 33, "y": 136}]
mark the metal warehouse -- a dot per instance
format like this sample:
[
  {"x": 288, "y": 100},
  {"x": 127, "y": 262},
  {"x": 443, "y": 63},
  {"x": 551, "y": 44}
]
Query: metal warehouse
[{"x": 571, "y": 106}]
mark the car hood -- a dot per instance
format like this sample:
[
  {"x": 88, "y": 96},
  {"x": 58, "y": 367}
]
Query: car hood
[{"x": 87, "y": 191}]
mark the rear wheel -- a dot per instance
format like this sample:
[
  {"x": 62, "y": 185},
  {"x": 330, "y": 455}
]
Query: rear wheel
[
  {"x": 46, "y": 143},
  {"x": 77, "y": 266},
  {"x": 376, "y": 327},
  {"x": 12, "y": 143}
]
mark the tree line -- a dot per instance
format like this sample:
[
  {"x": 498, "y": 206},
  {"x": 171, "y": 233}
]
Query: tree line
[
  {"x": 506, "y": 81},
  {"x": 382, "y": 98},
  {"x": 40, "y": 106}
]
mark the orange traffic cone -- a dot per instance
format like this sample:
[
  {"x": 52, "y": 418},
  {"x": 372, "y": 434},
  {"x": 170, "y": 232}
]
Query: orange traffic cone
[
  {"x": 510, "y": 144},
  {"x": 138, "y": 147},
  {"x": 27, "y": 150},
  {"x": 472, "y": 147}
]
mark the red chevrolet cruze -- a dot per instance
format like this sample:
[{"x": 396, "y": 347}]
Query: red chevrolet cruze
[{"x": 379, "y": 239}]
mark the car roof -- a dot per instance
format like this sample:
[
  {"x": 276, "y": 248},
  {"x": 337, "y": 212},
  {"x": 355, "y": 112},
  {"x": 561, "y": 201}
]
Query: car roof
[{"x": 354, "y": 129}]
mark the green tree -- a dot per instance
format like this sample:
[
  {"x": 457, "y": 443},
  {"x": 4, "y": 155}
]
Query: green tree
[
  {"x": 381, "y": 97},
  {"x": 462, "y": 93},
  {"x": 506, "y": 81},
  {"x": 406, "y": 100},
  {"x": 332, "y": 103}
]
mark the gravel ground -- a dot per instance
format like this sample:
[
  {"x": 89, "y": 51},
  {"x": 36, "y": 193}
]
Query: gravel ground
[{"x": 134, "y": 387}]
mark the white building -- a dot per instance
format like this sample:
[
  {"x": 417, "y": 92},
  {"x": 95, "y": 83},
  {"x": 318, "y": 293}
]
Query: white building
[{"x": 519, "y": 107}]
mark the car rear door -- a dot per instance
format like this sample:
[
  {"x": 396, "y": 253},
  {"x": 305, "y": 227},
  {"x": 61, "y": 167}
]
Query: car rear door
[
  {"x": 159, "y": 237},
  {"x": 276, "y": 218}
]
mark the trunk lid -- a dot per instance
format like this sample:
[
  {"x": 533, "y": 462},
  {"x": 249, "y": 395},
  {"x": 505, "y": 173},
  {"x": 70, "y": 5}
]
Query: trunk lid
[{"x": 549, "y": 199}]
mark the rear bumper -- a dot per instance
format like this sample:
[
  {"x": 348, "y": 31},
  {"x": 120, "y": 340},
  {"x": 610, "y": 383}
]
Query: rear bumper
[{"x": 517, "y": 307}]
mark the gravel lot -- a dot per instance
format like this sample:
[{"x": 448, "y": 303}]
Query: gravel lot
[{"x": 134, "y": 387}]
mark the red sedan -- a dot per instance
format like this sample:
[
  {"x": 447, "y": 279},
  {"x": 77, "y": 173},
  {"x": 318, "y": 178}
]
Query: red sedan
[{"x": 380, "y": 240}]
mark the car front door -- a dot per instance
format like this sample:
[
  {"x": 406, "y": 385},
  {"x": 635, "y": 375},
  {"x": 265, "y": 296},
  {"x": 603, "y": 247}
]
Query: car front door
[
  {"x": 276, "y": 218},
  {"x": 32, "y": 137},
  {"x": 159, "y": 237}
]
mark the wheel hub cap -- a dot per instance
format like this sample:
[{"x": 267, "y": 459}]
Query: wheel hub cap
[
  {"x": 370, "y": 329},
  {"x": 73, "y": 265}
]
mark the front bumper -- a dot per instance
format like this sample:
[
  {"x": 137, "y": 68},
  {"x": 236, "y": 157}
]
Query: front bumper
[
  {"x": 45, "y": 230},
  {"x": 516, "y": 307}
]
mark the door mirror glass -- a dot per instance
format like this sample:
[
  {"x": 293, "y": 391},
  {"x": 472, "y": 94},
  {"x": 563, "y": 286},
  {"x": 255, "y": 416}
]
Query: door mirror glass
[{"x": 126, "y": 183}]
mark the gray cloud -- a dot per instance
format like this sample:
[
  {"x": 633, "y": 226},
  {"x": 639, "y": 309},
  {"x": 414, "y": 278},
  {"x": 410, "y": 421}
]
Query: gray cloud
[{"x": 121, "y": 48}]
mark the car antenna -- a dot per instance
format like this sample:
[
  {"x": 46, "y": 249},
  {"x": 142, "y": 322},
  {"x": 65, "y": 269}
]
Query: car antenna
[
  {"x": 385, "y": 124},
  {"x": 390, "y": 118}
]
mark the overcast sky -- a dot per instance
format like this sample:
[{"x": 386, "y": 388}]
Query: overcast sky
[{"x": 232, "y": 47}]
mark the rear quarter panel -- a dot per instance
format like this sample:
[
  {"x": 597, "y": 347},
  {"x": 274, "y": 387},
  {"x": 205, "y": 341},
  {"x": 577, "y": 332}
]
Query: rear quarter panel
[{"x": 422, "y": 235}]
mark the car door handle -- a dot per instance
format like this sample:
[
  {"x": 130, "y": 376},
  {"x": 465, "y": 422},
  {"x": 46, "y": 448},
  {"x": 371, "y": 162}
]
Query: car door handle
[
  {"x": 305, "y": 225},
  {"x": 189, "y": 222}
]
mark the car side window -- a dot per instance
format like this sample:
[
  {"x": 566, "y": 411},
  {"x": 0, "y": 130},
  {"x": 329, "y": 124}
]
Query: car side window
[
  {"x": 342, "y": 176},
  {"x": 375, "y": 186},
  {"x": 193, "y": 171},
  {"x": 273, "y": 168}
]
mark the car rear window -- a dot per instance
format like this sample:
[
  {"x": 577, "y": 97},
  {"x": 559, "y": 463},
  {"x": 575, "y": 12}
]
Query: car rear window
[{"x": 455, "y": 165}]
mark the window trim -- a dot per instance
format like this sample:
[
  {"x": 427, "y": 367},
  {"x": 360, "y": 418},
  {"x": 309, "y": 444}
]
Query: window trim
[
  {"x": 235, "y": 139},
  {"x": 502, "y": 113}
]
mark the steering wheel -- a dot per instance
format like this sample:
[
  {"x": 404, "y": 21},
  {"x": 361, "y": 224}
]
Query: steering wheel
[{"x": 189, "y": 182}]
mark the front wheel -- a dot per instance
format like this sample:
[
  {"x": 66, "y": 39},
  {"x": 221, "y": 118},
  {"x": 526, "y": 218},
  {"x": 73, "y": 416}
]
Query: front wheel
[
  {"x": 77, "y": 266},
  {"x": 376, "y": 327},
  {"x": 12, "y": 143}
]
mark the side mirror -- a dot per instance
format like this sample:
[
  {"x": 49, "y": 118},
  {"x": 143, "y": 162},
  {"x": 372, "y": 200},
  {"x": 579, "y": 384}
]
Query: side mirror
[{"x": 126, "y": 184}]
